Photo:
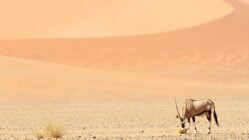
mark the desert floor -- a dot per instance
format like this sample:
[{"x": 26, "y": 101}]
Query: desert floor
[{"x": 121, "y": 120}]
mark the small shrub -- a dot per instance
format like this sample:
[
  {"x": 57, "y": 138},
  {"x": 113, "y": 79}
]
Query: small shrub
[{"x": 54, "y": 131}]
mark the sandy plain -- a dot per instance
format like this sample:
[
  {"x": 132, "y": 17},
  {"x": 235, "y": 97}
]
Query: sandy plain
[{"x": 121, "y": 120}]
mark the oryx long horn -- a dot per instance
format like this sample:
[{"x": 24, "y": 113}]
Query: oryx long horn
[{"x": 177, "y": 109}]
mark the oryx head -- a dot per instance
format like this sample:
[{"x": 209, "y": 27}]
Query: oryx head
[{"x": 182, "y": 120}]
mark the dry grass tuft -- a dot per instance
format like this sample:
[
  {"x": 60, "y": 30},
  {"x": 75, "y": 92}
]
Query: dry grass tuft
[{"x": 54, "y": 131}]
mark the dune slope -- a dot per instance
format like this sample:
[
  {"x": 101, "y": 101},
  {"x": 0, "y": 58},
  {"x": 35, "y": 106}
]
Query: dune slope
[{"x": 25, "y": 80}]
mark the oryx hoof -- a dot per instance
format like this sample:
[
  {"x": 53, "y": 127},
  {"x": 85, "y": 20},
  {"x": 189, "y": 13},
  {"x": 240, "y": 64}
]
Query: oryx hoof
[{"x": 209, "y": 132}]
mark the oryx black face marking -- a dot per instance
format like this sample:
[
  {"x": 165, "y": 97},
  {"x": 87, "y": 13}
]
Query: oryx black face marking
[{"x": 183, "y": 124}]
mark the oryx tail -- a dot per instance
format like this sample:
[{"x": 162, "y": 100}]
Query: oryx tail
[{"x": 216, "y": 117}]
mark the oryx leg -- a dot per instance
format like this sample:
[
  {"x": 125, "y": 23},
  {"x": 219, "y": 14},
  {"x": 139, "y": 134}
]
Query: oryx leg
[
  {"x": 188, "y": 124},
  {"x": 209, "y": 117},
  {"x": 193, "y": 119}
]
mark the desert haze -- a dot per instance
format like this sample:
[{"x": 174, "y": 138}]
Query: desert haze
[{"x": 112, "y": 69}]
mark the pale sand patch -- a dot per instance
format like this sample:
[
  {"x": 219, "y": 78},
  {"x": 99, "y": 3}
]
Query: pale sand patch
[{"x": 87, "y": 18}]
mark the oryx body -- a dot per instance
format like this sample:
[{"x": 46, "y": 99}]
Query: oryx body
[{"x": 193, "y": 108}]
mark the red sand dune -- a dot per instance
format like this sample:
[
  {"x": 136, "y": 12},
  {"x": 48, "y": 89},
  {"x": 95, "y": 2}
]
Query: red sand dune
[
  {"x": 216, "y": 50},
  {"x": 199, "y": 57}
]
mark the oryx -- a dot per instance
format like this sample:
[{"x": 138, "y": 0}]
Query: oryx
[{"x": 193, "y": 108}]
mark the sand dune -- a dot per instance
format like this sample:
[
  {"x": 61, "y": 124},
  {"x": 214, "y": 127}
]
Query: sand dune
[
  {"x": 215, "y": 51},
  {"x": 198, "y": 58},
  {"x": 87, "y": 18}
]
